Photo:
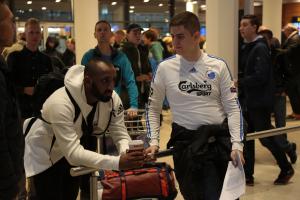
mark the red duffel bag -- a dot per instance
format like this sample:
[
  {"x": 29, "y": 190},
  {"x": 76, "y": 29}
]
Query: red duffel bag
[{"x": 155, "y": 180}]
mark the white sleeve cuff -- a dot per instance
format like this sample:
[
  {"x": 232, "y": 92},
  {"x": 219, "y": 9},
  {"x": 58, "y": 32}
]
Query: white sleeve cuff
[
  {"x": 154, "y": 142},
  {"x": 237, "y": 145},
  {"x": 115, "y": 162}
]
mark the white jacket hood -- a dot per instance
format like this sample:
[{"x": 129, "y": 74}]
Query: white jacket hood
[{"x": 74, "y": 83}]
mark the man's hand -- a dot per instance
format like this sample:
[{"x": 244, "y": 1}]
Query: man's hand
[
  {"x": 132, "y": 112},
  {"x": 235, "y": 154},
  {"x": 150, "y": 153},
  {"x": 131, "y": 160}
]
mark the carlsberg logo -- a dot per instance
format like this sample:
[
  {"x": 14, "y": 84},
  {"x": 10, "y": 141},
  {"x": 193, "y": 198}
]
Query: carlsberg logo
[{"x": 202, "y": 89}]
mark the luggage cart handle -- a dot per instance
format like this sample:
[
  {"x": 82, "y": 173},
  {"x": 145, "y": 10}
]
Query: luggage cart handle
[
  {"x": 78, "y": 171},
  {"x": 164, "y": 153}
]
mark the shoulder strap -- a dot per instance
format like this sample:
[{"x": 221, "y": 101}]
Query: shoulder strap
[
  {"x": 77, "y": 112},
  {"x": 29, "y": 125},
  {"x": 77, "y": 109}
]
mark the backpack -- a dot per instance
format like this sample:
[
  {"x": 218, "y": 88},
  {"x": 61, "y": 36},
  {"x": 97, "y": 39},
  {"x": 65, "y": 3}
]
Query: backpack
[{"x": 46, "y": 85}]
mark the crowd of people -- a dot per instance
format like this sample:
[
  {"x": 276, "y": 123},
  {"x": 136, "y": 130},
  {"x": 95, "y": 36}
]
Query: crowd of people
[{"x": 135, "y": 69}]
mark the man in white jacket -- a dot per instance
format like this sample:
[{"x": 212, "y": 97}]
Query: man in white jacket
[{"x": 52, "y": 148}]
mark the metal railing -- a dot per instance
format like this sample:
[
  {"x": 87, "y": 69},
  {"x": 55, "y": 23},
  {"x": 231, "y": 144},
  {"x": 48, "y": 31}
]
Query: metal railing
[{"x": 272, "y": 132}]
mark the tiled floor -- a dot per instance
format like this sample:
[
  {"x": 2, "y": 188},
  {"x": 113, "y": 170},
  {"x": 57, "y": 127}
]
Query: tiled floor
[{"x": 266, "y": 170}]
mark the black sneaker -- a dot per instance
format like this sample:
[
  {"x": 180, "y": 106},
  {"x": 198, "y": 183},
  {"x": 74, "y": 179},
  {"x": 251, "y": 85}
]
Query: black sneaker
[
  {"x": 250, "y": 181},
  {"x": 293, "y": 153},
  {"x": 284, "y": 177}
]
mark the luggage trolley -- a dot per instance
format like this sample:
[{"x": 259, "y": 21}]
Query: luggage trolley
[{"x": 136, "y": 127}]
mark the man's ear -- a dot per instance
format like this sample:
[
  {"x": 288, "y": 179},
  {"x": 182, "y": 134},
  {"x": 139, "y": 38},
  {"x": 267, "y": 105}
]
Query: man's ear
[
  {"x": 196, "y": 36},
  {"x": 87, "y": 80}
]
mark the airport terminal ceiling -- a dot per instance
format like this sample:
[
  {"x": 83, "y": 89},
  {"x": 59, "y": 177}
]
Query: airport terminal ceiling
[
  {"x": 65, "y": 5},
  {"x": 139, "y": 10}
]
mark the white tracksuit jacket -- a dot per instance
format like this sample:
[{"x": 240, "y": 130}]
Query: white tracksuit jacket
[
  {"x": 199, "y": 93},
  {"x": 59, "y": 111}
]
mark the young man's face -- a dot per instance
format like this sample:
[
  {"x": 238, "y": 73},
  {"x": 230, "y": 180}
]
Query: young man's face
[
  {"x": 103, "y": 33},
  {"x": 135, "y": 36},
  {"x": 33, "y": 35},
  {"x": 247, "y": 30},
  {"x": 183, "y": 41},
  {"x": 7, "y": 27}
]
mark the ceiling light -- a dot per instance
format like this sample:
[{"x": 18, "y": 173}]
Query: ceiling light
[
  {"x": 44, "y": 8},
  {"x": 160, "y": 5},
  {"x": 203, "y": 6},
  {"x": 57, "y": 1},
  {"x": 194, "y": 2},
  {"x": 131, "y": 7},
  {"x": 29, "y": 2},
  {"x": 113, "y": 3},
  {"x": 146, "y": 1},
  {"x": 131, "y": 11},
  {"x": 257, "y": 3},
  {"x": 30, "y": 9}
]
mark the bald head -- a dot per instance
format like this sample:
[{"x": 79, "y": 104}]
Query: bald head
[
  {"x": 99, "y": 80},
  {"x": 289, "y": 29},
  {"x": 96, "y": 66}
]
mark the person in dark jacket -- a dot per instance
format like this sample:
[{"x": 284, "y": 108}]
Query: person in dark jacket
[
  {"x": 289, "y": 54},
  {"x": 11, "y": 136},
  {"x": 256, "y": 94},
  {"x": 28, "y": 65},
  {"x": 69, "y": 57},
  {"x": 138, "y": 56},
  {"x": 280, "y": 94},
  {"x": 56, "y": 57}
]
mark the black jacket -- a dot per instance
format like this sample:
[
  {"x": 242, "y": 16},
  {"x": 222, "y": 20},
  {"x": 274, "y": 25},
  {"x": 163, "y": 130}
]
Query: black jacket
[
  {"x": 27, "y": 67},
  {"x": 193, "y": 150},
  {"x": 290, "y": 54},
  {"x": 135, "y": 54},
  {"x": 69, "y": 58},
  {"x": 256, "y": 83},
  {"x": 11, "y": 136}
]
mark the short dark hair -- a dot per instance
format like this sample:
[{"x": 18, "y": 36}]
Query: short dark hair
[
  {"x": 90, "y": 66},
  {"x": 253, "y": 20},
  {"x": 151, "y": 35},
  {"x": 188, "y": 20},
  {"x": 104, "y": 22},
  {"x": 52, "y": 39}
]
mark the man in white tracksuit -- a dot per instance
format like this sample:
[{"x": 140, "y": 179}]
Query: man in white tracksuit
[
  {"x": 202, "y": 98},
  {"x": 52, "y": 148}
]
